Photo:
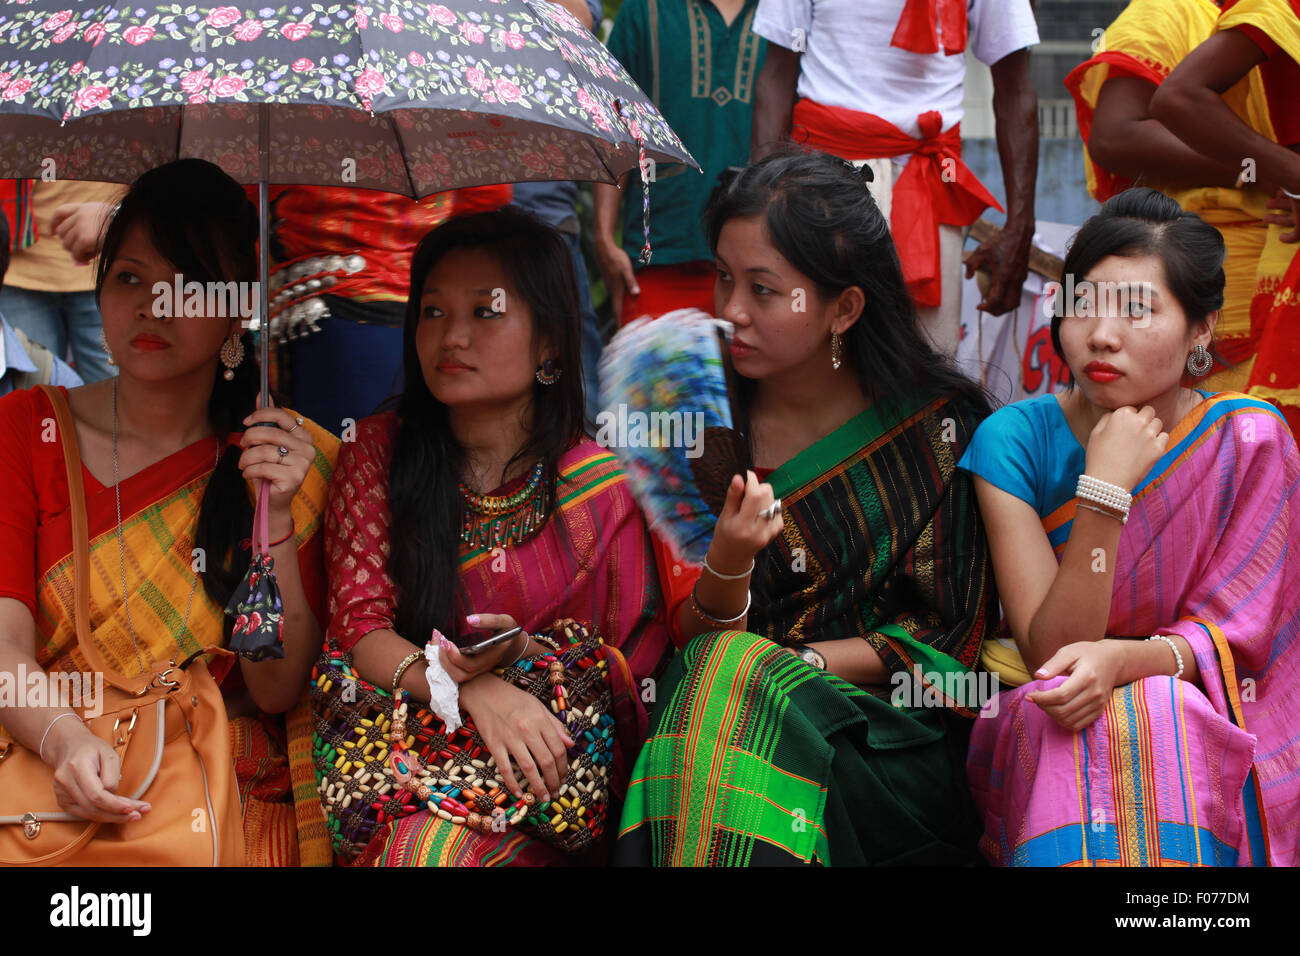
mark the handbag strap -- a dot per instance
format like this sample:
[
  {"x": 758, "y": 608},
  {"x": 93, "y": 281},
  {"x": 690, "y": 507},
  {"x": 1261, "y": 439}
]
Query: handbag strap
[{"x": 81, "y": 549}]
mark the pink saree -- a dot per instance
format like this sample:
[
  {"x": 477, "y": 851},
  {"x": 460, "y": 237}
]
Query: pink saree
[{"x": 1175, "y": 773}]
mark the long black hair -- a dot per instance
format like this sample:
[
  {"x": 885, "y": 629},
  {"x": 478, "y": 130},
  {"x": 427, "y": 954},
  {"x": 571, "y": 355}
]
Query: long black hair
[
  {"x": 820, "y": 215},
  {"x": 1142, "y": 222},
  {"x": 200, "y": 221},
  {"x": 424, "y": 477}
]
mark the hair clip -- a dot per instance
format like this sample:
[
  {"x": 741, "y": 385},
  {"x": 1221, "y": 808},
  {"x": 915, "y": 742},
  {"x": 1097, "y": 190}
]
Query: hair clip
[{"x": 863, "y": 171}]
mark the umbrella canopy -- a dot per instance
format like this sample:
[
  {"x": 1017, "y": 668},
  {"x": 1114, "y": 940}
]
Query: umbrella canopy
[{"x": 413, "y": 98}]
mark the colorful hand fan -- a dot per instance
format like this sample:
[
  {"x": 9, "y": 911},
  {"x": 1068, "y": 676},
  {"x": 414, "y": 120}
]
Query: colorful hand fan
[{"x": 667, "y": 413}]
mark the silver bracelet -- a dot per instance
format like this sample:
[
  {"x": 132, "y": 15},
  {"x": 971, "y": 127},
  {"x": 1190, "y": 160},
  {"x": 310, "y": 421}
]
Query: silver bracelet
[
  {"x": 523, "y": 650},
  {"x": 728, "y": 577},
  {"x": 1177, "y": 654},
  {"x": 1122, "y": 519},
  {"x": 708, "y": 618},
  {"x": 40, "y": 751},
  {"x": 1290, "y": 195}
]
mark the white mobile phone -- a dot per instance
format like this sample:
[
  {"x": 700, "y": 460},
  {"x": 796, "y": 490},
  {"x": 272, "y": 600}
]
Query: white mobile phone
[{"x": 500, "y": 637}]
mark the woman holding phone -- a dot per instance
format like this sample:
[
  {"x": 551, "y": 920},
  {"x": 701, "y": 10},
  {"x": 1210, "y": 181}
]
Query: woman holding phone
[{"x": 478, "y": 506}]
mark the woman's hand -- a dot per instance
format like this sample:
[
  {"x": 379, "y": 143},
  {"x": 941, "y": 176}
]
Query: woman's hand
[
  {"x": 465, "y": 667},
  {"x": 514, "y": 723},
  {"x": 1094, "y": 668},
  {"x": 262, "y": 459},
  {"x": 741, "y": 531},
  {"x": 86, "y": 772},
  {"x": 1124, "y": 446}
]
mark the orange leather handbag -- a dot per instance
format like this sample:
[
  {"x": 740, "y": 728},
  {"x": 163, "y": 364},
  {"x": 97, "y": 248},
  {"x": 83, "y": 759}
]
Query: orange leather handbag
[{"x": 168, "y": 727}]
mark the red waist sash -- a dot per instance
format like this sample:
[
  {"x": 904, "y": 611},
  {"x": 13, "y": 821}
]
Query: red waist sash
[{"x": 935, "y": 187}]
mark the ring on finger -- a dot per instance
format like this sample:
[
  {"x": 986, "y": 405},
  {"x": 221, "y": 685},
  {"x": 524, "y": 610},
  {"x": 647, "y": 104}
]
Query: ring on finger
[
  {"x": 296, "y": 422},
  {"x": 771, "y": 510},
  {"x": 284, "y": 453}
]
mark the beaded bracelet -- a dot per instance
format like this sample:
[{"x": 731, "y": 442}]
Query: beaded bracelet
[
  {"x": 728, "y": 577},
  {"x": 1105, "y": 494},
  {"x": 1177, "y": 654},
  {"x": 719, "y": 621},
  {"x": 407, "y": 661}
]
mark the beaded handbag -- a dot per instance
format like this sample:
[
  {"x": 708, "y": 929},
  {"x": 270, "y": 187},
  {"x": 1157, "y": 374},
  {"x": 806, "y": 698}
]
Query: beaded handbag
[{"x": 378, "y": 759}]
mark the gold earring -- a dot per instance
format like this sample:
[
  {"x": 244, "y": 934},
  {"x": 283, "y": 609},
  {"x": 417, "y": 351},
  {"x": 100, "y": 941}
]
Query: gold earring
[
  {"x": 103, "y": 340},
  {"x": 836, "y": 352},
  {"x": 232, "y": 353}
]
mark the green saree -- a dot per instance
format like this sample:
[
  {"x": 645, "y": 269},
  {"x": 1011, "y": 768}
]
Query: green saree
[{"x": 755, "y": 758}]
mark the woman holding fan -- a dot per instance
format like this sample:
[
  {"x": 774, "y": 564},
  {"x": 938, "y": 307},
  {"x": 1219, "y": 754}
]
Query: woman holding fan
[{"x": 849, "y": 559}]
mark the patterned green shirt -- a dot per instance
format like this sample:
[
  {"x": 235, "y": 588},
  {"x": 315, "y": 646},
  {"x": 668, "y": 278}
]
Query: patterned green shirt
[{"x": 700, "y": 72}]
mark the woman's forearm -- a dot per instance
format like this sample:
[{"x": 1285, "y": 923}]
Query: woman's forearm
[
  {"x": 27, "y": 725},
  {"x": 1077, "y": 605},
  {"x": 854, "y": 660},
  {"x": 718, "y": 598},
  {"x": 1144, "y": 658}
]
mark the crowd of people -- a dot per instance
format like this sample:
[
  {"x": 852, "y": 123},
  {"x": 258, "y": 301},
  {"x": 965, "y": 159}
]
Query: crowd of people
[{"x": 1121, "y": 559}]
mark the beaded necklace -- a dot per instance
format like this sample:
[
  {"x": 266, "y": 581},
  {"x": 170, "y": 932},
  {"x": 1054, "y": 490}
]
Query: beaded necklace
[{"x": 500, "y": 521}]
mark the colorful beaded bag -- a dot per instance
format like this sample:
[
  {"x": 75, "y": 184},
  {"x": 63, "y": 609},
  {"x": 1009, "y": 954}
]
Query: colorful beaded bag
[{"x": 378, "y": 759}]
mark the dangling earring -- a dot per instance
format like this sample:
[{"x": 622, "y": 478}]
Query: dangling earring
[
  {"x": 103, "y": 340},
  {"x": 836, "y": 353},
  {"x": 232, "y": 353},
  {"x": 1199, "y": 362},
  {"x": 548, "y": 374}
]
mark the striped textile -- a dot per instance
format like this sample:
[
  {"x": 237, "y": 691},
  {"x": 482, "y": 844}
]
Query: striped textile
[
  {"x": 425, "y": 839},
  {"x": 755, "y": 758},
  {"x": 591, "y": 561},
  {"x": 160, "y": 508},
  {"x": 1175, "y": 773}
]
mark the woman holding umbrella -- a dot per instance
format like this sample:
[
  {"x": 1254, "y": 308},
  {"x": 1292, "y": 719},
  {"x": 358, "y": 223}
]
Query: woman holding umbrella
[{"x": 167, "y": 456}]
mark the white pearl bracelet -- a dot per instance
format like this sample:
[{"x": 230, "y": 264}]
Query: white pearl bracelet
[
  {"x": 1103, "y": 493},
  {"x": 1177, "y": 654}
]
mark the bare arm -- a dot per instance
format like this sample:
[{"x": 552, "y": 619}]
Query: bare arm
[
  {"x": 86, "y": 770},
  {"x": 774, "y": 95},
  {"x": 613, "y": 261},
  {"x": 1048, "y": 606},
  {"x": 1128, "y": 141},
  {"x": 1190, "y": 103},
  {"x": 1015, "y": 110}
]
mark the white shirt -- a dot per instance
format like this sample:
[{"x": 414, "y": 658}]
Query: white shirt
[{"x": 847, "y": 60}]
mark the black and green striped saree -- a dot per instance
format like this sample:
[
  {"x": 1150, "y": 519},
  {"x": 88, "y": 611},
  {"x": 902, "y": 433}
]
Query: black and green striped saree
[{"x": 755, "y": 757}]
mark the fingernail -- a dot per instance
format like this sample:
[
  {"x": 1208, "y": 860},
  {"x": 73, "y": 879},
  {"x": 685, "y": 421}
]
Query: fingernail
[
  {"x": 472, "y": 620},
  {"x": 1041, "y": 672},
  {"x": 546, "y": 797},
  {"x": 436, "y": 637}
]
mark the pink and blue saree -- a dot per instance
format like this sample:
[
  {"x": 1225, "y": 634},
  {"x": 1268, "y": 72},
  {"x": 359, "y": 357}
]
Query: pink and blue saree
[{"x": 1173, "y": 773}]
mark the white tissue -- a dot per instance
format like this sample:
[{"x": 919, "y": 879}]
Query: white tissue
[{"x": 444, "y": 693}]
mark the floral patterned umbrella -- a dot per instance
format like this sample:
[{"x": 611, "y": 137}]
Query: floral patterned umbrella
[{"x": 405, "y": 97}]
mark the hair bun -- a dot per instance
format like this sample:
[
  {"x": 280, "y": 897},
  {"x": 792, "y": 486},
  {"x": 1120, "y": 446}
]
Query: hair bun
[{"x": 1142, "y": 202}]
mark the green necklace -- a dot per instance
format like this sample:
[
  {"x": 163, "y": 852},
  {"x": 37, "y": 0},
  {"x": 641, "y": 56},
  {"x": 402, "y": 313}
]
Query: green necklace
[{"x": 500, "y": 521}]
